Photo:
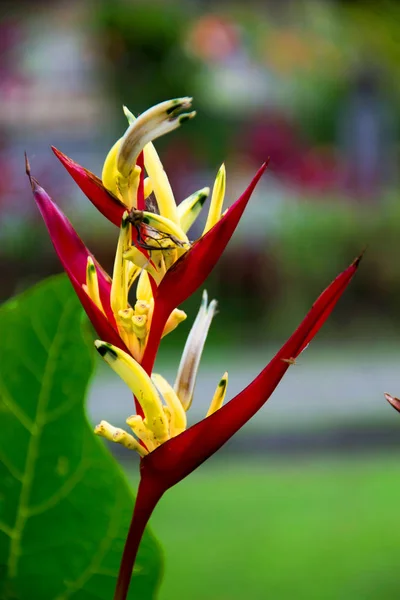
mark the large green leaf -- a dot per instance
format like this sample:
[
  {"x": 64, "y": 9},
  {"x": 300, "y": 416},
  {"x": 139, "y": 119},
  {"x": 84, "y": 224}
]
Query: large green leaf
[{"x": 65, "y": 505}]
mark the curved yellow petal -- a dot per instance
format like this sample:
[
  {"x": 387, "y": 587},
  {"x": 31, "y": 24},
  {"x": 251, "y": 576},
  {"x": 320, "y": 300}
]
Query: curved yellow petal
[
  {"x": 217, "y": 199},
  {"x": 189, "y": 209},
  {"x": 176, "y": 317},
  {"x": 219, "y": 395},
  {"x": 178, "y": 414},
  {"x": 140, "y": 384},
  {"x": 150, "y": 125},
  {"x": 92, "y": 284},
  {"x": 110, "y": 173},
  {"x": 115, "y": 434},
  {"x": 164, "y": 225}
]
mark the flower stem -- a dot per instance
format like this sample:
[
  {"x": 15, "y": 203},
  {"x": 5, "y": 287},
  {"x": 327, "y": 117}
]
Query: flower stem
[{"x": 147, "y": 497}]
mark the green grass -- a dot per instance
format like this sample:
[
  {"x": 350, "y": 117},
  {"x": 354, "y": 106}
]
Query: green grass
[{"x": 309, "y": 529}]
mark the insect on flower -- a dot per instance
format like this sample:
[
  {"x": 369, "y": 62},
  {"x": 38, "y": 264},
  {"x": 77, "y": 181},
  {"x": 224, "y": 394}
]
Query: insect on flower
[
  {"x": 138, "y": 220},
  {"x": 155, "y": 254}
]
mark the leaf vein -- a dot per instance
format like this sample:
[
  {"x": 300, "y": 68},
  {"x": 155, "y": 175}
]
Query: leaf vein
[
  {"x": 16, "y": 473},
  {"x": 34, "y": 441},
  {"x": 63, "y": 492},
  {"x": 94, "y": 566},
  {"x": 6, "y": 529},
  {"x": 59, "y": 411},
  {"x": 19, "y": 414}
]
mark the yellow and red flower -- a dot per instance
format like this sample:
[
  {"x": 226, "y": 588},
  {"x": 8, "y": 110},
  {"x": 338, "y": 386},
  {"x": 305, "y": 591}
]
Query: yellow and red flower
[{"x": 155, "y": 253}]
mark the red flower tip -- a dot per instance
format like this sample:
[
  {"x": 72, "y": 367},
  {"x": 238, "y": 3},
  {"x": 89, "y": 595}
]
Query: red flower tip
[
  {"x": 359, "y": 258},
  {"x": 93, "y": 188},
  {"x": 395, "y": 402}
]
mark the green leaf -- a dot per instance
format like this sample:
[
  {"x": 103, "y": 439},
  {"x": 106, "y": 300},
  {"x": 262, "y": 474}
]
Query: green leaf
[{"x": 65, "y": 505}]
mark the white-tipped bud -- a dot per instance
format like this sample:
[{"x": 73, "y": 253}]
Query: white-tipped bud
[
  {"x": 186, "y": 378},
  {"x": 150, "y": 125}
]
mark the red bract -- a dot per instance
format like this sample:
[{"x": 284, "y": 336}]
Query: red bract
[
  {"x": 192, "y": 269},
  {"x": 395, "y": 402},
  {"x": 178, "y": 457},
  {"x": 93, "y": 188},
  {"x": 105, "y": 202},
  {"x": 73, "y": 255}
]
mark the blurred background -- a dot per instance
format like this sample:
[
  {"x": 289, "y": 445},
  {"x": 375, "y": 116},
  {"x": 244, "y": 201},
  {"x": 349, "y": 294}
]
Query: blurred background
[{"x": 301, "y": 503}]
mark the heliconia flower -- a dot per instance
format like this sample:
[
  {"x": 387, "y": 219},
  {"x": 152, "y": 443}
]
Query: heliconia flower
[
  {"x": 149, "y": 243},
  {"x": 395, "y": 402},
  {"x": 155, "y": 254}
]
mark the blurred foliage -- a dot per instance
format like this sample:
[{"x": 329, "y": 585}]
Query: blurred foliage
[
  {"x": 320, "y": 238},
  {"x": 143, "y": 45},
  {"x": 142, "y": 41}
]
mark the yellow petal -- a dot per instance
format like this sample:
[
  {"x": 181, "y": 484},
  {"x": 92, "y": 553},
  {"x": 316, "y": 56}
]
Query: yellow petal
[
  {"x": 157, "y": 178},
  {"x": 119, "y": 286},
  {"x": 164, "y": 225},
  {"x": 110, "y": 172},
  {"x": 142, "y": 307},
  {"x": 140, "y": 384},
  {"x": 142, "y": 432},
  {"x": 133, "y": 272},
  {"x": 217, "y": 199},
  {"x": 92, "y": 284},
  {"x": 219, "y": 395},
  {"x": 160, "y": 183},
  {"x": 147, "y": 187},
  {"x": 139, "y": 323},
  {"x": 176, "y": 317},
  {"x": 115, "y": 434},
  {"x": 143, "y": 291},
  {"x": 189, "y": 209},
  {"x": 178, "y": 414},
  {"x": 150, "y": 125}
]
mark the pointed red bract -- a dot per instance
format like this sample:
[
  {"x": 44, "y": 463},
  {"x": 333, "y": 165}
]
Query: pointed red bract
[
  {"x": 179, "y": 456},
  {"x": 192, "y": 269},
  {"x": 73, "y": 255},
  {"x": 93, "y": 188},
  {"x": 395, "y": 402}
]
